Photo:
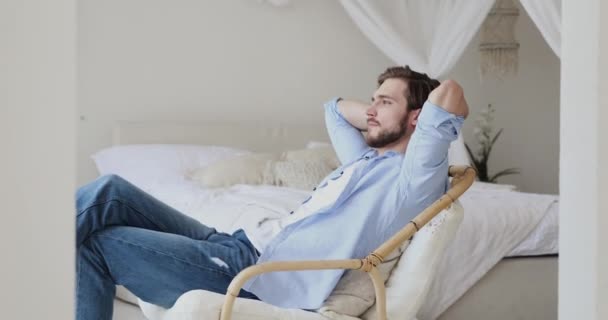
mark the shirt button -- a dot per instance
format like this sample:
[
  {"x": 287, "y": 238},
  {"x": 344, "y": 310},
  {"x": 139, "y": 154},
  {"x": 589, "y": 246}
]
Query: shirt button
[
  {"x": 291, "y": 212},
  {"x": 314, "y": 189},
  {"x": 366, "y": 157}
]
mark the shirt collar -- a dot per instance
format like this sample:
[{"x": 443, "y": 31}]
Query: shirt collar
[
  {"x": 391, "y": 153},
  {"x": 373, "y": 153}
]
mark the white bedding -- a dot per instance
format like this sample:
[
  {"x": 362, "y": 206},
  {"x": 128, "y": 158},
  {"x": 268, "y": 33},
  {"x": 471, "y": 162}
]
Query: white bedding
[{"x": 497, "y": 223}]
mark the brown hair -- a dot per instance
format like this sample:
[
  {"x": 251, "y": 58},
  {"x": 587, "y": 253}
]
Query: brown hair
[{"x": 419, "y": 85}]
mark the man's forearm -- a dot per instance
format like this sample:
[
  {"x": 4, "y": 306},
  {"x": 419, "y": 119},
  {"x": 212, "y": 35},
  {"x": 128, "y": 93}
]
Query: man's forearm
[{"x": 354, "y": 112}]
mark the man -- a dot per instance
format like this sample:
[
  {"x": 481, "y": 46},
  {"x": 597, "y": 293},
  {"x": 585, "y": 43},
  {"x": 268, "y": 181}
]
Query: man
[{"x": 125, "y": 236}]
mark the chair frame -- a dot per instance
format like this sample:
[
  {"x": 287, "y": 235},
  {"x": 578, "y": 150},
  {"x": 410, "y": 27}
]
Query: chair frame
[{"x": 462, "y": 179}]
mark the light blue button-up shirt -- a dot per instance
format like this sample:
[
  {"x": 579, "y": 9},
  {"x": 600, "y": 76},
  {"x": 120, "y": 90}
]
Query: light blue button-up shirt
[{"x": 381, "y": 197}]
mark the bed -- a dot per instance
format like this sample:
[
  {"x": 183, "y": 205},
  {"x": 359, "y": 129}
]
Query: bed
[{"x": 502, "y": 265}]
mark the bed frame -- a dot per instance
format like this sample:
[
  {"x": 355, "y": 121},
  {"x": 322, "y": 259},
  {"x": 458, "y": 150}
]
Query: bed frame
[
  {"x": 249, "y": 136},
  {"x": 516, "y": 288}
]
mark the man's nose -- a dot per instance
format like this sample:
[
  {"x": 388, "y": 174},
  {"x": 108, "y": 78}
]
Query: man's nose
[{"x": 371, "y": 111}]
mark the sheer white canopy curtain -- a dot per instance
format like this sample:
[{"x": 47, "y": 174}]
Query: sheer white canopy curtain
[
  {"x": 431, "y": 35},
  {"x": 428, "y": 35},
  {"x": 547, "y": 15}
]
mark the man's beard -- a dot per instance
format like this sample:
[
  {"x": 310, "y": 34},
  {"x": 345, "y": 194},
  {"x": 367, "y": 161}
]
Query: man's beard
[{"x": 386, "y": 137}]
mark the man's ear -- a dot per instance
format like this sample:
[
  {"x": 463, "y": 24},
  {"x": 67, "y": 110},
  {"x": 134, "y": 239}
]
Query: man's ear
[{"x": 414, "y": 116}]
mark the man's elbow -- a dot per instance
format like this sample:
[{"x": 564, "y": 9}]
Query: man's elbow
[{"x": 450, "y": 96}]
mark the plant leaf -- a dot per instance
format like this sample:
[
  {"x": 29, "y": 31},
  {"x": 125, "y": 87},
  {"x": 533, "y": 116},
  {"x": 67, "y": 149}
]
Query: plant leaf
[
  {"x": 504, "y": 173},
  {"x": 470, "y": 152},
  {"x": 474, "y": 160},
  {"x": 487, "y": 156},
  {"x": 496, "y": 136}
]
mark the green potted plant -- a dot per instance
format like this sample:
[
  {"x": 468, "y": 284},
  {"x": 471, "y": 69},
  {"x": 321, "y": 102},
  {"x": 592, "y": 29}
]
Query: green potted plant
[{"x": 483, "y": 134}]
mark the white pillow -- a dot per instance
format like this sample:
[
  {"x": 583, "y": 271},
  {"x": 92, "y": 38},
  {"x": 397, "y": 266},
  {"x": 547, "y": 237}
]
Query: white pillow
[
  {"x": 302, "y": 169},
  {"x": 457, "y": 153},
  {"x": 253, "y": 169},
  {"x": 354, "y": 294},
  {"x": 306, "y": 168},
  {"x": 411, "y": 279},
  {"x": 150, "y": 164},
  {"x": 301, "y": 174}
]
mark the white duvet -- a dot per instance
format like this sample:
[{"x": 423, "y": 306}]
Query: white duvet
[{"x": 497, "y": 223}]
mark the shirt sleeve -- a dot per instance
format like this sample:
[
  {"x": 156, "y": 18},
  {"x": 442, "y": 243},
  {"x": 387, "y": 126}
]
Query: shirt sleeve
[
  {"x": 424, "y": 171},
  {"x": 348, "y": 141}
]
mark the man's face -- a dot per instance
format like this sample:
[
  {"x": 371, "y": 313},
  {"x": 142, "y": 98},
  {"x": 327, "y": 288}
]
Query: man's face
[{"x": 387, "y": 118}]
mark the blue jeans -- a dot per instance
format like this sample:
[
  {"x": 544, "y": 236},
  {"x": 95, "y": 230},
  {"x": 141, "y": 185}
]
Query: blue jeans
[{"x": 125, "y": 236}]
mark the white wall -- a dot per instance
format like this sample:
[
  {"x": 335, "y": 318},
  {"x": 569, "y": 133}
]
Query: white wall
[
  {"x": 215, "y": 60},
  {"x": 187, "y": 59},
  {"x": 602, "y": 171},
  {"x": 37, "y": 165},
  {"x": 583, "y": 263}
]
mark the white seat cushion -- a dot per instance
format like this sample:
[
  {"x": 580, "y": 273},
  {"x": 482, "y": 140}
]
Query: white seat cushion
[
  {"x": 354, "y": 294},
  {"x": 411, "y": 279},
  {"x": 201, "y": 304}
]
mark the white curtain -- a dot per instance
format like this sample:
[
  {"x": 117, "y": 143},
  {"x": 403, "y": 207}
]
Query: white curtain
[
  {"x": 547, "y": 15},
  {"x": 427, "y": 35}
]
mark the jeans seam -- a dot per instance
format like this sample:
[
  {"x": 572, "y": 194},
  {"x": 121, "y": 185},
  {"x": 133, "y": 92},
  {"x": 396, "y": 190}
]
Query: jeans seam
[
  {"x": 166, "y": 254},
  {"x": 126, "y": 204}
]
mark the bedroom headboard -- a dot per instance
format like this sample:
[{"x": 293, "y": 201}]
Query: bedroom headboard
[{"x": 255, "y": 137}]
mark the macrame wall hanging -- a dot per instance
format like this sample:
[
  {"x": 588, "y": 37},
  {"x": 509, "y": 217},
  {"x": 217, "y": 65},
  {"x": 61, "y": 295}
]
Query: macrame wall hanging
[{"x": 498, "y": 47}]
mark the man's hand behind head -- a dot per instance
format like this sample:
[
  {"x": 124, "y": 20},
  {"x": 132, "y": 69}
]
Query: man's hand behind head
[{"x": 450, "y": 96}]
